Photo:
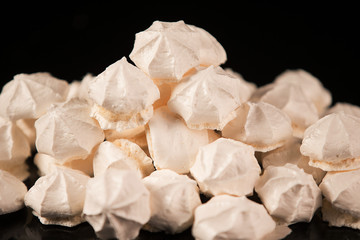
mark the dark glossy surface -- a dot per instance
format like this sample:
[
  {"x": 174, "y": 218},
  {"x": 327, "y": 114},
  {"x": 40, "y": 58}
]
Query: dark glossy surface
[{"x": 23, "y": 225}]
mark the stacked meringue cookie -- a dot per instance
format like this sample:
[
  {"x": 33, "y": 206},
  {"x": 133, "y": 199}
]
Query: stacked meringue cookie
[{"x": 174, "y": 141}]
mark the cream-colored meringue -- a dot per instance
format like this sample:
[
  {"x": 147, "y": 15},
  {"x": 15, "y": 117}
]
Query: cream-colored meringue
[
  {"x": 288, "y": 193},
  {"x": 290, "y": 153},
  {"x": 251, "y": 85},
  {"x": 73, "y": 90},
  {"x": 311, "y": 86},
  {"x": 123, "y": 96},
  {"x": 211, "y": 51},
  {"x": 333, "y": 142},
  {"x": 117, "y": 204},
  {"x": 172, "y": 145},
  {"x": 27, "y": 126},
  {"x": 291, "y": 99},
  {"x": 230, "y": 217},
  {"x": 30, "y": 95},
  {"x": 67, "y": 131},
  {"x": 122, "y": 154},
  {"x": 345, "y": 107},
  {"x": 46, "y": 164},
  {"x": 208, "y": 98},
  {"x": 167, "y": 50},
  {"x": 337, "y": 217},
  {"x": 58, "y": 198},
  {"x": 80, "y": 88},
  {"x": 12, "y": 193},
  {"x": 341, "y": 190},
  {"x": 173, "y": 199},
  {"x": 261, "y": 125},
  {"x": 14, "y": 149},
  {"x": 136, "y": 135},
  {"x": 226, "y": 166}
]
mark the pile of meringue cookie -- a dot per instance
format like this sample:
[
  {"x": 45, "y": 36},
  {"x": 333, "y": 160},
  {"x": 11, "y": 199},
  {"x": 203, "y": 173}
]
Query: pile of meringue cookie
[{"x": 142, "y": 144}]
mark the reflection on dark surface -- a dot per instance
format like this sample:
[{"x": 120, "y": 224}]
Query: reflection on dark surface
[{"x": 22, "y": 225}]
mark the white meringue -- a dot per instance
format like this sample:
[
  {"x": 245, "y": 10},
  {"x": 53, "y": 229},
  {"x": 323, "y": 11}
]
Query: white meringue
[
  {"x": 332, "y": 143},
  {"x": 311, "y": 86},
  {"x": 166, "y": 50},
  {"x": 12, "y": 193},
  {"x": 261, "y": 125},
  {"x": 208, "y": 98},
  {"x": 122, "y": 154},
  {"x": 173, "y": 199},
  {"x": 30, "y": 95},
  {"x": 290, "y": 153},
  {"x": 211, "y": 51},
  {"x": 27, "y": 126},
  {"x": 14, "y": 149},
  {"x": 80, "y": 88},
  {"x": 58, "y": 198},
  {"x": 67, "y": 131},
  {"x": 74, "y": 87},
  {"x": 288, "y": 193},
  {"x": 117, "y": 204},
  {"x": 172, "y": 145},
  {"x": 226, "y": 166},
  {"x": 123, "y": 96},
  {"x": 291, "y": 99},
  {"x": 341, "y": 190},
  {"x": 230, "y": 217},
  {"x": 46, "y": 164},
  {"x": 345, "y": 107},
  {"x": 251, "y": 85}
]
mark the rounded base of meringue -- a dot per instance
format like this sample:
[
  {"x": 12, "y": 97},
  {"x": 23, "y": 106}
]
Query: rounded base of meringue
[
  {"x": 65, "y": 221},
  {"x": 342, "y": 165}
]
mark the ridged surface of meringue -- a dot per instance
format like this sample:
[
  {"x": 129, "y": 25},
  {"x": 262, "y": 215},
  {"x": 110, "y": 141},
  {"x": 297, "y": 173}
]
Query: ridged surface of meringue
[
  {"x": 226, "y": 166},
  {"x": 67, "y": 131},
  {"x": 229, "y": 217},
  {"x": 207, "y": 99},
  {"x": 30, "y": 95},
  {"x": 122, "y": 154},
  {"x": 172, "y": 145},
  {"x": 332, "y": 143},
  {"x": 173, "y": 199},
  {"x": 58, "y": 198},
  {"x": 117, "y": 204},
  {"x": 166, "y": 50},
  {"x": 311, "y": 86},
  {"x": 345, "y": 107},
  {"x": 12, "y": 193},
  {"x": 261, "y": 125},
  {"x": 288, "y": 193}
]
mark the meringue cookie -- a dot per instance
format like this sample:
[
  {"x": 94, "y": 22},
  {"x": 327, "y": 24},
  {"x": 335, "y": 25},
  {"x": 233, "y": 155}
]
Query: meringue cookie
[
  {"x": 341, "y": 190},
  {"x": 136, "y": 135},
  {"x": 290, "y": 153},
  {"x": 167, "y": 50},
  {"x": 332, "y": 143},
  {"x": 226, "y": 166},
  {"x": 261, "y": 125},
  {"x": 208, "y": 98},
  {"x": 117, "y": 204},
  {"x": 123, "y": 96},
  {"x": 30, "y": 95},
  {"x": 230, "y": 217},
  {"x": 67, "y": 131},
  {"x": 46, "y": 164},
  {"x": 58, "y": 198},
  {"x": 173, "y": 199},
  {"x": 80, "y": 89},
  {"x": 73, "y": 90},
  {"x": 288, "y": 193},
  {"x": 251, "y": 85},
  {"x": 345, "y": 107},
  {"x": 122, "y": 154},
  {"x": 172, "y": 145},
  {"x": 291, "y": 99},
  {"x": 311, "y": 86},
  {"x": 14, "y": 149},
  {"x": 211, "y": 51},
  {"x": 12, "y": 193}
]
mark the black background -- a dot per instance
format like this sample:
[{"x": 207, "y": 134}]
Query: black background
[{"x": 262, "y": 39}]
